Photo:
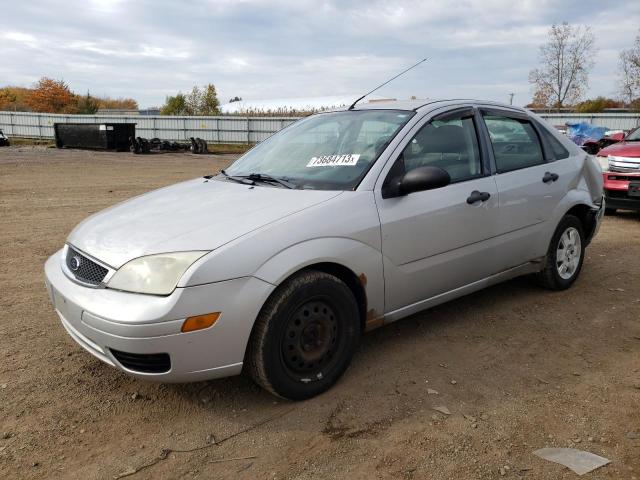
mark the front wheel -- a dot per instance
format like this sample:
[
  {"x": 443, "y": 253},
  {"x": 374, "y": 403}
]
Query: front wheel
[
  {"x": 304, "y": 337},
  {"x": 565, "y": 255}
]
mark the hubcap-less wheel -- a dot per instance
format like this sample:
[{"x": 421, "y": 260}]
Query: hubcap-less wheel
[
  {"x": 305, "y": 335},
  {"x": 568, "y": 253},
  {"x": 310, "y": 337}
]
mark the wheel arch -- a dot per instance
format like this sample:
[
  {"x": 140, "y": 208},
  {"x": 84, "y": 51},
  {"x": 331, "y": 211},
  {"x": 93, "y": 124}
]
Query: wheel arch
[
  {"x": 584, "y": 213},
  {"x": 357, "y": 264}
]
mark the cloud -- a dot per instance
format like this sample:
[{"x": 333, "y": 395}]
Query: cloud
[
  {"x": 21, "y": 38},
  {"x": 276, "y": 48}
]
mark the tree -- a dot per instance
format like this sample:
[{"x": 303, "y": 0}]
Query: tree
[
  {"x": 541, "y": 98},
  {"x": 86, "y": 105},
  {"x": 14, "y": 98},
  {"x": 194, "y": 100},
  {"x": 209, "y": 104},
  {"x": 51, "y": 96},
  {"x": 565, "y": 61},
  {"x": 200, "y": 101},
  {"x": 235, "y": 99},
  {"x": 629, "y": 71},
  {"x": 175, "y": 105},
  {"x": 598, "y": 104},
  {"x": 117, "y": 103}
]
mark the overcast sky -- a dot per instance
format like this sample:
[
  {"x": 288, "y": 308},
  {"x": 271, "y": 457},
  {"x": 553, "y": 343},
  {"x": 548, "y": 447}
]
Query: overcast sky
[{"x": 279, "y": 48}]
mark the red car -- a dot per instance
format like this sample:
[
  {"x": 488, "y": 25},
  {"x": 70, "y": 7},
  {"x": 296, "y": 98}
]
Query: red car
[{"x": 622, "y": 179}]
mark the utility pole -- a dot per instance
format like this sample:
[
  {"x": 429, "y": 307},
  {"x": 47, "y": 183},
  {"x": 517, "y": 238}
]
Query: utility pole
[{"x": 511, "y": 98}]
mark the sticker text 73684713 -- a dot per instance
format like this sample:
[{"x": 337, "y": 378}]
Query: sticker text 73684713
[{"x": 349, "y": 159}]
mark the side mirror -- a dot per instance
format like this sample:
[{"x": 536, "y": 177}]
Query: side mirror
[{"x": 423, "y": 178}]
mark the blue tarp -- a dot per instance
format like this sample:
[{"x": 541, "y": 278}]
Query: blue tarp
[{"x": 580, "y": 133}]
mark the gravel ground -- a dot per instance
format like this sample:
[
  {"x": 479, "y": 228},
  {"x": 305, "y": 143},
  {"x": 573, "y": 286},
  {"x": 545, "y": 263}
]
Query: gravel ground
[{"x": 519, "y": 368}]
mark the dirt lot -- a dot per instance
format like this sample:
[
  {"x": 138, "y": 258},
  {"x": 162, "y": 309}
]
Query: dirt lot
[{"x": 518, "y": 367}]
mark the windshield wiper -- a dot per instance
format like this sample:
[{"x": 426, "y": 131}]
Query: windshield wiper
[
  {"x": 238, "y": 178},
  {"x": 265, "y": 177}
]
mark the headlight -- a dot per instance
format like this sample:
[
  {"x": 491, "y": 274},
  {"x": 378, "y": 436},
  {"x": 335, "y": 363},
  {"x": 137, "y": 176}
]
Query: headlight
[{"x": 153, "y": 274}]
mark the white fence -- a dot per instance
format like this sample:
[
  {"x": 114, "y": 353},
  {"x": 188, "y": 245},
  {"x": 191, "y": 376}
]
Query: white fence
[
  {"x": 612, "y": 121},
  {"x": 223, "y": 129},
  {"x": 232, "y": 129}
]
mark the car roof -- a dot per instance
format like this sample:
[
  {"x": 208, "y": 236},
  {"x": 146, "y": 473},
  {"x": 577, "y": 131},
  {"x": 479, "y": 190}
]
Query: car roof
[{"x": 423, "y": 104}]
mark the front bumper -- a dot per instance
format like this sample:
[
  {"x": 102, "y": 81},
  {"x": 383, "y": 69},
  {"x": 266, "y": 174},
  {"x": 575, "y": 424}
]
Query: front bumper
[
  {"x": 103, "y": 321},
  {"x": 620, "y": 199},
  {"x": 616, "y": 190}
]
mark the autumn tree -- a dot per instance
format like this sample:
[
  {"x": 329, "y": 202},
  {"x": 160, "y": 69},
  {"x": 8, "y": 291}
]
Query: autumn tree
[
  {"x": 596, "y": 105},
  {"x": 565, "y": 62},
  {"x": 117, "y": 103},
  {"x": 14, "y": 99},
  {"x": 51, "y": 96},
  {"x": 629, "y": 72}
]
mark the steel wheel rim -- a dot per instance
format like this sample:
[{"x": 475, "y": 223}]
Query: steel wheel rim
[
  {"x": 568, "y": 253},
  {"x": 309, "y": 342}
]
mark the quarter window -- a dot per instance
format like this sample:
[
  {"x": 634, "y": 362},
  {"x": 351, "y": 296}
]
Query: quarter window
[
  {"x": 515, "y": 143},
  {"x": 558, "y": 152},
  {"x": 450, "y": 144}
]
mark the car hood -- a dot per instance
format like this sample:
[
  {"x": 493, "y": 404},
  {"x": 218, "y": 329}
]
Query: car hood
[
  {"x": 622, "y": 149},
  {"x": 193, "y": 215}
]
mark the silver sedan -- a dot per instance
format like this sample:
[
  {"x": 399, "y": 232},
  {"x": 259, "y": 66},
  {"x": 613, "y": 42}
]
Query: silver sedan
[{"x": 343, "y": 222}]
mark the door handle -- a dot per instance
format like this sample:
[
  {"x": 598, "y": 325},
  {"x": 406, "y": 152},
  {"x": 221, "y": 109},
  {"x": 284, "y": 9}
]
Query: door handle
[
  {"x": 549, "y": 177},
  {"x": 477, "y": 196}
]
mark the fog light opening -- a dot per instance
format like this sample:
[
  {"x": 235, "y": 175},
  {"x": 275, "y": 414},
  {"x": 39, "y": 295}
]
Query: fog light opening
[{"x": 200, "y": 322}]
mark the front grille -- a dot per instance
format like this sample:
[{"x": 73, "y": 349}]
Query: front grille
[
  {"x": 624, "y": 164},
  {"x": 144, "y": 362},
  {"x": 85, "y": 269}
]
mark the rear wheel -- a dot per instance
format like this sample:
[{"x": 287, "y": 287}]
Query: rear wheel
[
  {"x": 304, "y": 337},
  {"x": 565, "y": 255}
]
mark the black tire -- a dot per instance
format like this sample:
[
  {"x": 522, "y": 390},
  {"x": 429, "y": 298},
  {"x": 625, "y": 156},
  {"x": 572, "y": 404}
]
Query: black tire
[
  {"x": 610, "y": 211},
  {"x": 304, "y": 337},
  {"x": 552, "y": 276}
]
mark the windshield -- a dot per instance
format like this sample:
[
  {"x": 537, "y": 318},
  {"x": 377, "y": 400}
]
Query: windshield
[
  {"x": 328, "y": 151},
  {"x": 633, "y": 136}
]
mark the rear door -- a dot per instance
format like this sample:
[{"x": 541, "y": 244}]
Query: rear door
[
  {"x": 531, "y": 181},
  {"x": 437, "y": 240}
]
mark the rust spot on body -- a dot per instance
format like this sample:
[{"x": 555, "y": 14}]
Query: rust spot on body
[
  {"x": 363, "y": 279},
  {"x": 373, "y": 320}
]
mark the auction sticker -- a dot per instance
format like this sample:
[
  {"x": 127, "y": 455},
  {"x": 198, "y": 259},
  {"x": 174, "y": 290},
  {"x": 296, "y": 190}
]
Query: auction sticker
[{"x": 349, "y": 159}]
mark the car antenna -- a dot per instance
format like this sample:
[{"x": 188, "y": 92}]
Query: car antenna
[{"x": 388, "y": 81}]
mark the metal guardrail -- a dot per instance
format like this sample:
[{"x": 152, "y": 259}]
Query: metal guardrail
[{"x": 231, "y": 128}]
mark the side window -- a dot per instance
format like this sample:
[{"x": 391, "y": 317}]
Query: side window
[
  {"x": 450, "y": 144},
  {"x": 557, "y": 150},
  {"x": 515, "y": 143}
]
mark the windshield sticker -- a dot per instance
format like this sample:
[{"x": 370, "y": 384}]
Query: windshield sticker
[{"x": 349, "y": 160}]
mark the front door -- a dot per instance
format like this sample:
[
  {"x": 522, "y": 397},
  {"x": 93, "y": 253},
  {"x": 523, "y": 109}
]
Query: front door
[{"x": 437, "y": 240}]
